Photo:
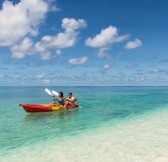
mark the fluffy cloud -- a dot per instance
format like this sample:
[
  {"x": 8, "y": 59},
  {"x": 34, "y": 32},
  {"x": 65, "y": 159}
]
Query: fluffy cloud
[
  {"x": 102, "y": 53},
  {"x": 65, "y": 39},
  {"x": 133, "y": 44},
  {"x": 20, "y": 20},
  {"x": 104, "y": 69},
  {"x": 75, "y": 61},
  {"x": 46, "y": 81},
  {"x": 25, "y": 47},
  {"x": 106, "y": 66},
  {"x": 105, "y": 39},
  {"x": 71, "y": 24},
  {"x": 40, "y": 76},
  {"x": 20, "y": 23}
]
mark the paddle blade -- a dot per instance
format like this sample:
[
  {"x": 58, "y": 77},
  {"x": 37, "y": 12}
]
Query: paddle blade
[
  {"x": 55, "y": 93},
  {"x": 48, "y": 92}
]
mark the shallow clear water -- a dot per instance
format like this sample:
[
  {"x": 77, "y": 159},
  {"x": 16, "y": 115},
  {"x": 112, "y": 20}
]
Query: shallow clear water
[{"x": 101, "y": 107}]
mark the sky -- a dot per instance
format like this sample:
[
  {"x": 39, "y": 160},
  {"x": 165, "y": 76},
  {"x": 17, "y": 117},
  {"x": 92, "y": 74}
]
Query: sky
[{"x": 84, "y": 43}]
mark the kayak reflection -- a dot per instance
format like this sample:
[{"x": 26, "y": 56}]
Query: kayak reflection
[{"x": 51, "y": 116}]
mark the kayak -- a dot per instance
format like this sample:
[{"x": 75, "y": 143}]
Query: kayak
[{"x": 31, "y": 108}]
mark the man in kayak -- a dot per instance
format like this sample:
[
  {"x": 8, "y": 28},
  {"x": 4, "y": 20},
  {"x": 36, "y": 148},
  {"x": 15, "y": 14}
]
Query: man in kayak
[{"x": 71, "y": 100}]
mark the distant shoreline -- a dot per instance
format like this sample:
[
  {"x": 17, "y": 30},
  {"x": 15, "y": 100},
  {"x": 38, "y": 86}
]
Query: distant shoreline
[{"x": 75, "y": 86}]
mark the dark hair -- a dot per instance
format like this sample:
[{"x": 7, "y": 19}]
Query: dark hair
[
  {"x": 70, "y": 93},
  {"x": 61, "y": 93}
]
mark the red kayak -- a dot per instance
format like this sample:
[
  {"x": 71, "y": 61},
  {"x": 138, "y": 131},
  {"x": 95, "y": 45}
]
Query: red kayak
[{"x": 31, "y": 108}]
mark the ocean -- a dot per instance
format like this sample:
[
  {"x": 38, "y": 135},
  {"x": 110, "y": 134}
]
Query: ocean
[{"x": 115, "y": 124}]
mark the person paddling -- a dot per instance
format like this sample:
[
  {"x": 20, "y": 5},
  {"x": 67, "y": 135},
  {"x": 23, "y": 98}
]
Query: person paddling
[
  {"x": 71, "y": 100},
  {"x": 60, "y": 100}
]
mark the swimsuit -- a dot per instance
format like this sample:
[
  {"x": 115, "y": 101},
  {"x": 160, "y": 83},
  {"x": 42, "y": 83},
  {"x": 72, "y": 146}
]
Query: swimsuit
[{"x": 60, "y": 101}]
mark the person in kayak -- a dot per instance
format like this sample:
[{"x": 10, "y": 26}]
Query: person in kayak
[
  {"x": 60, "y": 100},
  {"x": 71, "y": 100}
]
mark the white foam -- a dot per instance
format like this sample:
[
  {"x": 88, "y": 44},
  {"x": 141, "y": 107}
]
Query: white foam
[{"x": 138, "y": 140}]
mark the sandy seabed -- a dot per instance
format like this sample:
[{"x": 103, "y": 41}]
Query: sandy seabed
[{"x": 139, "y": 139}]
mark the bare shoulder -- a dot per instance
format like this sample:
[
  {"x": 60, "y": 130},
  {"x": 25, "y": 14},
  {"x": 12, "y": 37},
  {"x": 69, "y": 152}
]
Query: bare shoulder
[{"x": 74, "y": 98}]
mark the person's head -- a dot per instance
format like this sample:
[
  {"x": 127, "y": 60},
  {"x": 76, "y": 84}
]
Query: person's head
[
  {"x": 69, "y": 94},
  {"x": 61, "y": 94}
]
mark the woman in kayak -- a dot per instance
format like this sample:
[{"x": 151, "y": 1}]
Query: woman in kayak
[{"x": 60, "y": 100}]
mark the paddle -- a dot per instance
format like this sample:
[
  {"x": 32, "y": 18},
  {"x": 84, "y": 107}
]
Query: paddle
[
  {"x": 49, "y": 92},
  {"x": 55, "y": 93}
]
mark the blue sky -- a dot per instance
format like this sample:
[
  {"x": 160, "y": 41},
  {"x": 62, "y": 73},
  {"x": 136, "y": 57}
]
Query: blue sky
[{"x": 84, "y": 42}]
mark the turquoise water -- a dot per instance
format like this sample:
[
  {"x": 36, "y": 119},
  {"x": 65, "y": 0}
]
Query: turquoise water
[{"x": 100, "y": 106}]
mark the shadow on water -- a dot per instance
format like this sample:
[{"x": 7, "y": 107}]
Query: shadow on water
[
  {"x": 118, "y": 114},
  {"x": 53, "y": 115}
]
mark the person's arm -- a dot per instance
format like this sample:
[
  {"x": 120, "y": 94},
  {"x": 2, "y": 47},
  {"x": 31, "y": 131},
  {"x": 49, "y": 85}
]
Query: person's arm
[
  {"x": 64, "y": 101},
  {"x": 76, "y": 100},
  {"x": 55, "y": 99}
]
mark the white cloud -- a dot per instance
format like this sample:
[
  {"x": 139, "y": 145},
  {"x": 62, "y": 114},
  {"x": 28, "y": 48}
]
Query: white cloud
[
  {"x": 71, "y": 24},
  {"x": 20, "y": 20},
  {"x": 46, "y": 81},
  {"x": 24, "y": 48},
  {"x": 133, "y": 44},
  {"x": 106, "y": 66},
  {"x": 40, "y": 76},
  {"x": 58, "y": 52},
  {"x": 27, "y": 47},
  {"x": 102, "y": 53},
  {"x": 105, "y": 39},
  {"x": 75, "y": 61},
  {"x": 18, "y": 55},
  {"x": 65, "y": 39}
]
